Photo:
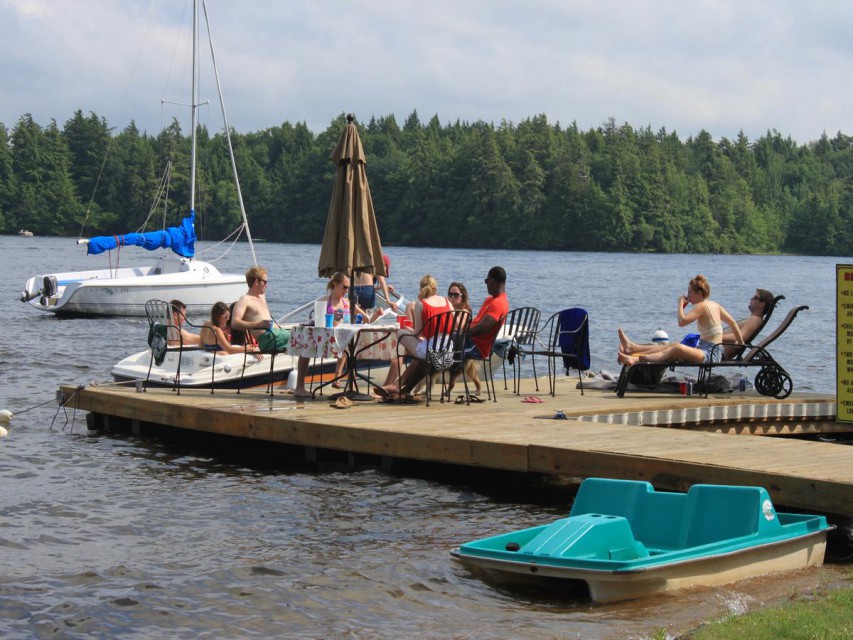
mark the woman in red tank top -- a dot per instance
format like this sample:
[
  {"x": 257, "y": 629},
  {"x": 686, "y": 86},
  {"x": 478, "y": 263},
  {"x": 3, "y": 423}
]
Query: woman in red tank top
[{"x": 429, "y": 304}]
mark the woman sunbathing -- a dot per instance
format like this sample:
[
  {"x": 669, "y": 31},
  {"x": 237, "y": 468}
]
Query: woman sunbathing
[{"x": 708, "y": 316}]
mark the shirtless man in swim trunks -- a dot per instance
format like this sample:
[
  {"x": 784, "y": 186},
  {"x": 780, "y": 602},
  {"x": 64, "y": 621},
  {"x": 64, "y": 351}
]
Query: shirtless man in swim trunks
[{"x": 251, "y": 313}]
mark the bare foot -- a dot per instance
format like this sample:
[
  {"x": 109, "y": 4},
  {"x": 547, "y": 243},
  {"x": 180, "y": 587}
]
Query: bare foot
[
  {"x": 626, "y": 359},
  {"x": 628, "y": 347}
]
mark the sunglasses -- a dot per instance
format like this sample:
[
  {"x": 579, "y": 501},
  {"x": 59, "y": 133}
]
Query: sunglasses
[
  {"x": 262, "y": 280},
  {"x": 454, "y": 294}
]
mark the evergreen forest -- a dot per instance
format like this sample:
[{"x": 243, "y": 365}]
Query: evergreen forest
[{"x": 530, "y": 185}]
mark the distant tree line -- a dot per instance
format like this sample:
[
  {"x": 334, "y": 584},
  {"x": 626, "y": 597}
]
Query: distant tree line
[{"x": 530, "y": 185}]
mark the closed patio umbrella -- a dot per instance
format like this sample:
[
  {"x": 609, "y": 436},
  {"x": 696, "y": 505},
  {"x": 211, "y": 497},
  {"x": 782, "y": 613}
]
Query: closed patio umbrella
[{"x": 351, "y": 240}]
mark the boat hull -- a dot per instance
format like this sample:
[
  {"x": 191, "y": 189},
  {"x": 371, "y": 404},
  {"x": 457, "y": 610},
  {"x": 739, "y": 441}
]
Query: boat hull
[
  {"x": 616, "y": 586},
  {"x": 124, "y": 292},
  {"x": 625, "y": 540},
  {"x": 199, "y": 370}
]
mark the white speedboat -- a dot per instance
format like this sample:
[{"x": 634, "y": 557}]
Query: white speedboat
[
  {"x": 200, "y": 370},
  {"x": 175, "y": 274},
  {"x": 195, "y": 368}
]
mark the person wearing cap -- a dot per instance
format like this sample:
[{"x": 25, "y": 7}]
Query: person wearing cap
[
  {"x": 366, "y": 285},
  {"x": 759, "y": 305}
]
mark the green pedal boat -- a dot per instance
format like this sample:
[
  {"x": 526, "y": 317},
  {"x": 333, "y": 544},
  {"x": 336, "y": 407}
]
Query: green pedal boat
[{"x": 626, "y": 540}]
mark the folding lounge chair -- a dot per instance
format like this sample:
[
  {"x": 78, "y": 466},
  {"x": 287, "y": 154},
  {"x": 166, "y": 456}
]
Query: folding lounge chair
[
  {"x": 651, "y": 373},
  {"x": 771, "y": 379}
]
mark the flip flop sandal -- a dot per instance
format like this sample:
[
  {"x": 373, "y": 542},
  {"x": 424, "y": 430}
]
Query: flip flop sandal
[
  {"x": 560, "y": 416},
  {"x": 382, "y": 393},
  {"x": 532, "y": 400},
  {"x": 342, "y": 403}
]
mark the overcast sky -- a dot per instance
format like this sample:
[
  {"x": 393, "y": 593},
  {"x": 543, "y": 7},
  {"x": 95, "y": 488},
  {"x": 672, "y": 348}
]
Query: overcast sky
[{"x": 686, "y": 65}]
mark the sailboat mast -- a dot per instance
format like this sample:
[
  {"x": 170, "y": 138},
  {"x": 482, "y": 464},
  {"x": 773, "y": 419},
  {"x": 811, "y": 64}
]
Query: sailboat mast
[
  {"x": 194, "y": 106},
  {"x": 228, "y": 138}
]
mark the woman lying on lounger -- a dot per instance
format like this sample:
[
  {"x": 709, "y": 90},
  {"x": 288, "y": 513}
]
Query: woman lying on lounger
[{"x": 708, "y": 316}]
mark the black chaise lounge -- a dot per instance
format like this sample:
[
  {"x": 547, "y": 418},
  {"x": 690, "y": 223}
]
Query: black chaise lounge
[{"x": 770, "y": 380}]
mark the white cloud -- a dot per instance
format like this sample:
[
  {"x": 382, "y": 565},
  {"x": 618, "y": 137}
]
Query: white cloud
[{"x": 718, "y": 65}]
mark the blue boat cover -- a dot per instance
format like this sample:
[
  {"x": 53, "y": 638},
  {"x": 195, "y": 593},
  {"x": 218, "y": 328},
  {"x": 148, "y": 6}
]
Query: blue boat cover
[
  {"x": 180, "y": 239},
  {"x": 574, "y": 338}
]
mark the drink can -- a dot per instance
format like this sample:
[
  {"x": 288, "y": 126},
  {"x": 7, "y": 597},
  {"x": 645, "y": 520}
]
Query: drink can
[
  {"x": 682, "y": 388},
  {"x": 359, "y": 318},
  {"x": 742, "y": 384},
  {"x": 689, "y": 388}
]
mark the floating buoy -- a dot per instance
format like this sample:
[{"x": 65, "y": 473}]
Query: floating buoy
[
  {"x": 660, "y": 336},
  {"x": 5, "y": 416},
  {"x": 3, "y": 432}
]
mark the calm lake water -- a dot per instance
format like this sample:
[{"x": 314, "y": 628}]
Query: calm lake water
[{"x": 109, "y": 537}]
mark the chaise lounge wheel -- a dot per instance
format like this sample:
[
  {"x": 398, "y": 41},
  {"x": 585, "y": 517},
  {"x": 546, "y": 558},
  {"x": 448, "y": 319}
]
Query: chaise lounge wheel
[
  {"x": 773, "y": 381},
  {"x": 787, "y": 385}
]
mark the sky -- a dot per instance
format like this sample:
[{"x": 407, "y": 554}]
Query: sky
[{"x": 723, "y": 66}]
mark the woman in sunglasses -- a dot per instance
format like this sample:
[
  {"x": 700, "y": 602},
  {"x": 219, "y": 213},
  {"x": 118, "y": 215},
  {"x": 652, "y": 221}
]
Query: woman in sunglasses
[
  {"x": 458, "y": 296},
  {"x": 338, "y": 305}
]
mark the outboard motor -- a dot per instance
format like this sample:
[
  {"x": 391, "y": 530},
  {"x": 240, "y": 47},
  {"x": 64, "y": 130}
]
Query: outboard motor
[
  {"x": 48, "y": 283},
  {"x": 49, "y": 286},
  {"x": 26, "y": 296}
]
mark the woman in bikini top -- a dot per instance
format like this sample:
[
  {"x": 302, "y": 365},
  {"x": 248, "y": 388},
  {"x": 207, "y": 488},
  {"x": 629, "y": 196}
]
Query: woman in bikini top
[
  {"x": 708, "y": 316},
  {"x": 212, "y": 334}
]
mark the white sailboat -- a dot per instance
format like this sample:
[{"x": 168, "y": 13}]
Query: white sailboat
[{"x": 175, "y": 274}]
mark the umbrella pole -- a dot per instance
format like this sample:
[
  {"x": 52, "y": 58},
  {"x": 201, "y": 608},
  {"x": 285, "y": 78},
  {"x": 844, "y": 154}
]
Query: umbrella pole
[{"x": 351, "y": 384}]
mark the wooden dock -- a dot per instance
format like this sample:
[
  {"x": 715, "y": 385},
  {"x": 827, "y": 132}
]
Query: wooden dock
[{"x": 671, "y": 441}]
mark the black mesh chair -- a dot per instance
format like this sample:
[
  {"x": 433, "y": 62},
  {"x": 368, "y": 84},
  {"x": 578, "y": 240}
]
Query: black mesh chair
[
  {"x": 447, "y": 331},
  {"x": 567, "y": 339},
  {"x": 161, "y": 331},
  {"x": 486, "y": 360},
  {"x": 519, "y": 332}
]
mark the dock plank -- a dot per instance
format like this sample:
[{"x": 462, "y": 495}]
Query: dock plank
[{"x": 514, "y": 436}]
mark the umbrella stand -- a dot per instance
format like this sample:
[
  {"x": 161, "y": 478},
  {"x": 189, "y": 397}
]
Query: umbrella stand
[{"x": 351, "y": 388}]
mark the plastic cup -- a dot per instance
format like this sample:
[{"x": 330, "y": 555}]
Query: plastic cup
[
  {"x": 401, "y": 321},
  {"x": 330, "y": 320}
]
